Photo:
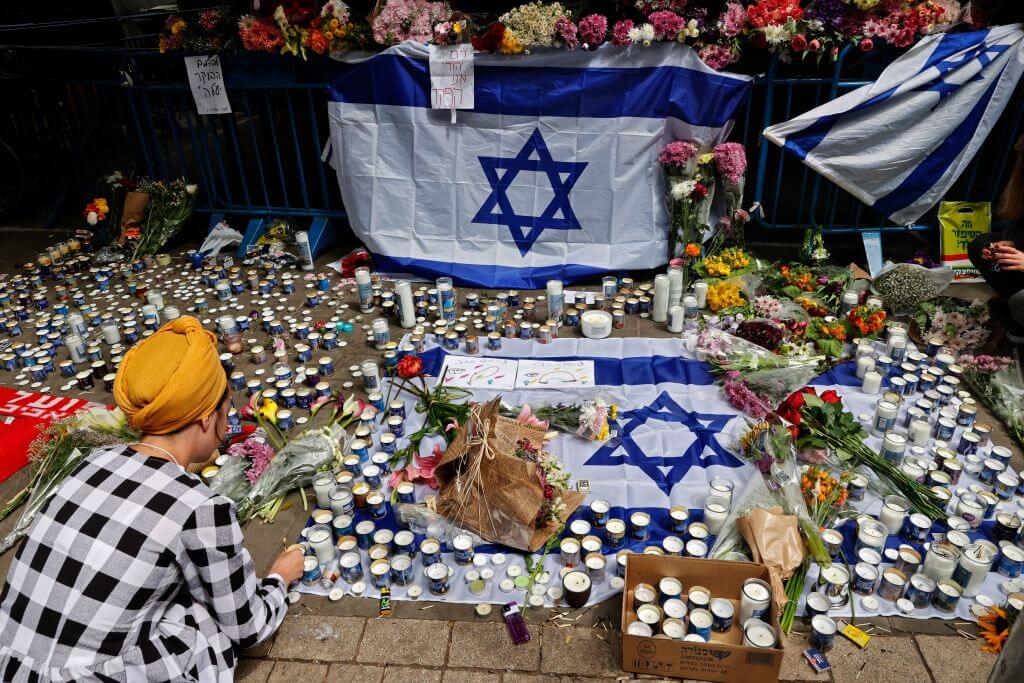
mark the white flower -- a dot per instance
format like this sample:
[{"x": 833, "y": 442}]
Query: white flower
[
  {"x": 814, "y": 25},
  {"x": 191, "y": 189},
  {"x": 91, "y": 218},
  {"x": 691, "y": 24},
  {"x": 641, "y": 34},
  {"x": 682, "y": 188},
  {"x": 776, "y": 34}
]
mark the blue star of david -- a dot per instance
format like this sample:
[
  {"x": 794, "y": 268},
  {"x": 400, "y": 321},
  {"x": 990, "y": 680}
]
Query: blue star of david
[
  {"x": 622, "y": 449},
  {"x": 500, "y": 182},
  {"x": 985, "y": 54}
]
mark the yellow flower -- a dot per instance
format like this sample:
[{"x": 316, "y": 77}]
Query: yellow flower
[
  {"x": 706, "y": 158},
  {"x": 510, "y": 44},
  {"x": 178, "y": 26},
  {"x": 613, "y": 411},
  {"x": 723, "y": 295}
]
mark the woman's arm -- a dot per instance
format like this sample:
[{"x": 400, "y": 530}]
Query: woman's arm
[{"x": 220, "y": 574}]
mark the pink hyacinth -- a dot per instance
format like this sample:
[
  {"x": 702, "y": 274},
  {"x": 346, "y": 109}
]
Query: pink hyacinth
[
  {"x": 717, "y": 56},
  {"x": 733, "y": 20},
  {"x": 678, "y": 153},
  {"x": 259, "y": 453},
  {"x": 593, "y": 29},
  {"x": 667, "y": 25},
  {"x": 731, "y": 161},
  {"x": 742, "y": 398},
  {"x": 620, "y": 32},
  {"x": 567, "y": 32}
]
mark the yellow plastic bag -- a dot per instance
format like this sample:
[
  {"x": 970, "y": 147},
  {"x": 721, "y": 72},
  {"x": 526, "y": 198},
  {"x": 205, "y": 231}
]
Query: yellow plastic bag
[{"x": 959, "y": 224}]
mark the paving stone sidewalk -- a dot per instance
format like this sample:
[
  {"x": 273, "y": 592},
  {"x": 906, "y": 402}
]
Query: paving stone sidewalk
[{"x": 316, "y": 648}]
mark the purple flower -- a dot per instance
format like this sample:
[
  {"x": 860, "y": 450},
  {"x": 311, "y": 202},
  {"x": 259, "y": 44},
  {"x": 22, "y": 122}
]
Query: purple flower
[
  {"x": 677, "y": 154},
  {"x": 831, "y": 13},
  {"x": 566, "y": 31},
  {"x": 730, "y": 158},
  {"x": 620, "y": 32}
]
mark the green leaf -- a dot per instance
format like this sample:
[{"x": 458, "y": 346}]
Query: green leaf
[
  {"x": 830, "y": 347},
  {"x": 792, "y": 291},
  {"x": 813, "y": 401}
]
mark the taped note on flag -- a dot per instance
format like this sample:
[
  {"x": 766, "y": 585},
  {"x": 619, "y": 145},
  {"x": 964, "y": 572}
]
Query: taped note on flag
[
  {"x": 467, "y": 372},
  {"x": 452, "y": 76},
  {"x": 555, "y": 374}
]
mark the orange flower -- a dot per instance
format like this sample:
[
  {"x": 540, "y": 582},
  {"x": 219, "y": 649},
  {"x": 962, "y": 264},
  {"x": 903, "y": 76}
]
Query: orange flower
[
  {"x": 692, "y": 249},
  {"x": 994, "y": 629}
]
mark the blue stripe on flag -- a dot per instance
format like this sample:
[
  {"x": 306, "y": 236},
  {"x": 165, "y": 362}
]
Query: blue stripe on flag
[
  {"x": 474, "y": 275},
  {"x": 931, "y": 170},
  {"x": 699, "y": 98}
]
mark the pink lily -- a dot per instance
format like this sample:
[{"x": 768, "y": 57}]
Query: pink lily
[{"x": 526, "y": 415}]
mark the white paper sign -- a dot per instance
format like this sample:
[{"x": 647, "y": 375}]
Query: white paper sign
[
  {"x": 479, "y": 373},
  {"x": 207, "y": 81},
  {"x": 451, "y": 76},
  {"x": 555, "y": 374}
]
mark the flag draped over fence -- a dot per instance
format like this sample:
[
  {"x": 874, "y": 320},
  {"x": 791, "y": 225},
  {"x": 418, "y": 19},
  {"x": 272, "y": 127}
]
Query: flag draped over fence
[
  {"x": 553, "y": 174},
  {"x": 900, "y": 143}
]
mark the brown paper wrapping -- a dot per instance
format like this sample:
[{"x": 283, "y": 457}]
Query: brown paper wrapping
[
  {"x": 485, "y": 488},
  {"x": 774, "y": 539},
  {"x": 135, "y": 204}
]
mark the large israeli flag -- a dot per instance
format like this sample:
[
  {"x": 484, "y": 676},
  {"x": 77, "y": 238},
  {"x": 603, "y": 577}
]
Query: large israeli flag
[
  {"x": 900, "y": 143},
  {"x": 552, "y": 175}
]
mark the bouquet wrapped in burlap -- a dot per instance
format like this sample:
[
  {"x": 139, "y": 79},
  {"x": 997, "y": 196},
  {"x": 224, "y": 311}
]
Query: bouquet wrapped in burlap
[{"x": 486, "y": 488}]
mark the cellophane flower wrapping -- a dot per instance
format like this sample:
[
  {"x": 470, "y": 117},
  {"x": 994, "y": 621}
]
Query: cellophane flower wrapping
[
  {"x": 586, "y": 419},
  {"x": 1002, "y": 392},
  {"x": 292, "y": 467},
  {"x": 769, "y": 447}
]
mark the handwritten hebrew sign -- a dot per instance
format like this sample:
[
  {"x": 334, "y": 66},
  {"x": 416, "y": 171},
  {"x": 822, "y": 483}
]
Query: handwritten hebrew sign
[
  {"x": 451, "y": 76},
  {"x": 207, "y": 81}
]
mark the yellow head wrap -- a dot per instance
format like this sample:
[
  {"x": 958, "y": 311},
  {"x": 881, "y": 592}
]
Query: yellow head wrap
[{"x": 171, "y": 379}]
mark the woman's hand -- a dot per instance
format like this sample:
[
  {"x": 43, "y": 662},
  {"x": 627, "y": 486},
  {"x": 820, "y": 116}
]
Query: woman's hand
[
  {"x": 993, "y": 249},
  {"x": 1009, "y": 258},
  {"x": 288, "y": 565}
]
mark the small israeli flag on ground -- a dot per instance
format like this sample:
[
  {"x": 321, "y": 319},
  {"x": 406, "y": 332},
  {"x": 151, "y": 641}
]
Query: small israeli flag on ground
[
  {"x": 901, "y": 142},
  {"x": 553, "y": 174}
]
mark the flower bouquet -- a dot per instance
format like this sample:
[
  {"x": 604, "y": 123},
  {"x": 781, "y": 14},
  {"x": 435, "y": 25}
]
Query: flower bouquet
[
  {"x": 170, "y": 205},
  {"x": 769, "y": 446},
  {"x": 587, "y": 420},
  {"x": 257, "y": 480},
  {"x": 55, "y": 453},
  {"x": 865, "y": 321},
  {"x": 497, "y": 481},
  {"x": 822, "y": 424},
  {"x": 828, "y": 335},
  {"x": 961, "y": 325},
  {"x": 690, "y": 181},
  {"x": 995, "y": 380}
]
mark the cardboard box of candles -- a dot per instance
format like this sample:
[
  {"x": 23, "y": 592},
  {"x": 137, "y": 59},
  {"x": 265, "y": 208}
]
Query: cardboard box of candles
[{"x": 685, "y": 618}]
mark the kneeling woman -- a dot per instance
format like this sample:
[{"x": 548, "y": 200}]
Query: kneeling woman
[{"x": 135, "y": 570}]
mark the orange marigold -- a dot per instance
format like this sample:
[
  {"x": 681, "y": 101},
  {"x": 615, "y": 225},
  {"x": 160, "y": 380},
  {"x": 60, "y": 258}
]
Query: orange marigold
[{"x": 692, "y": 249}]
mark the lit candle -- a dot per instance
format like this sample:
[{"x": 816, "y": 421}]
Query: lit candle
[
  {"x": 716, "y": 511},
  {"x": 700, "y": 290},
  {"x": 872, "y": 382},
  {"x": 659, "y": 313},
  {"x": 864, "y": 363}
]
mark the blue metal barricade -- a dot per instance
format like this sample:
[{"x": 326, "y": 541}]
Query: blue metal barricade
[{"x": 75, "y": 114}]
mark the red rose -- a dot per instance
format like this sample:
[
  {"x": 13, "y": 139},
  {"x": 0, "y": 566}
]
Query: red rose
[
  {"x": 798, "y": 43},
  {"x": 699, "y": 192},
  {"x": 814, "y": 45},
  {"x": 830, "y": 396},
  {"x": 410, "y": 366},
  {"x": 866, "y": 45}
]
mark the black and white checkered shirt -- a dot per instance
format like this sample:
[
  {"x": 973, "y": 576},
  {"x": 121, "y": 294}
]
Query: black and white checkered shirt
[{"x": 134, "y": 570}]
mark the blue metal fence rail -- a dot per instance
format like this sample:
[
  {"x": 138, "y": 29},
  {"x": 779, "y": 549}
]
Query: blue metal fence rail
[{"x": 76, "y": 114}]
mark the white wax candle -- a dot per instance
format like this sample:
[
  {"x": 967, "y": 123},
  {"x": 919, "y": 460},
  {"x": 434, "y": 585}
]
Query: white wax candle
[
  {"x": 894, "y": 509},
  {"x": 864, "y": 363},
  {"x": 920, "y": 432},
  {"x": 659, "y": 312},
  {"x": 556, "y": 299},
  {"x": 676, "y": 318},
  {"x": 716, "y": 511},
  {"x": 110, "y": 333},
  {"x": 700, "y": 290},
  {"x": 675, "y": 279},
  {"x": 406, "y": 307},
  {"x": 872, "y": 382}
]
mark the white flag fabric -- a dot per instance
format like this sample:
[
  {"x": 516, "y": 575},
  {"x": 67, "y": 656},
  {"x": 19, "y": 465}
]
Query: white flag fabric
[
  {"x": 553, "y": 174},
  {"x": 900, "y": 143},
  {"x": 671, "y": 437}
]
